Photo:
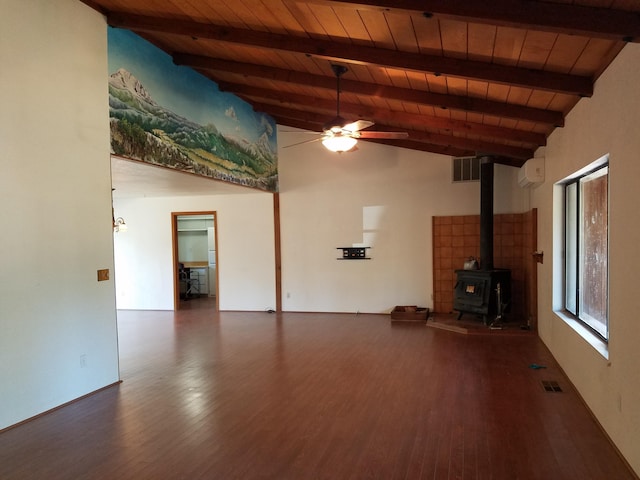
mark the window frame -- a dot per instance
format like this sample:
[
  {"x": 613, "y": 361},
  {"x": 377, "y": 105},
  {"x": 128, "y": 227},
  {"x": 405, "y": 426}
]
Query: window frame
[{"x": 573, "y": 257}]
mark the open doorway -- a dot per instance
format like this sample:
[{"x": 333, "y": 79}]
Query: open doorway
[{"x": 195, "y": 259}]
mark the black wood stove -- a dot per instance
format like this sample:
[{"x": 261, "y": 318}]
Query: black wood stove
[
  {"x": 477, "y": 292},
  {"x": 485, "y": 292}
]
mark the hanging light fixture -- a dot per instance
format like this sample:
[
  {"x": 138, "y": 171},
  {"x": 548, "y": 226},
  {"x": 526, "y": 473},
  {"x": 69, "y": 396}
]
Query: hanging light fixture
[
  {"x": 119, "y": 225},
  {"x": 339, "y": 143}
]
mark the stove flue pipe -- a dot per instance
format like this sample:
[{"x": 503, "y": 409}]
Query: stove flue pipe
[{"x": 486, "y": 213}]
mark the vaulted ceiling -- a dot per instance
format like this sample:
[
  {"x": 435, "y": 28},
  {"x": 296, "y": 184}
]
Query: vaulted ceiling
[{"x": 462, "y": 77}]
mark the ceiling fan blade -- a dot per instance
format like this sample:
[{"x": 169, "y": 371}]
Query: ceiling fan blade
[
  {"x": 303, "y": 142},
  {"x": 383, "y": 135},
  {"x": 335, "y": 125},
  {"x": 357, "y": 125}
]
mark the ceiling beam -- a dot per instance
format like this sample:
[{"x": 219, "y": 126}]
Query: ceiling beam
[
  {"x": 474, "y": 145},
  {"x": 95, "y": 6},
  {"x": 426, "y": 147},
  {"x": 460, "y": 143},
  {"x": 554, "y": 17},
  {"x": 530, "y": 138},
  {"x": 438, "y": 100},
  {"x": 364, "y": 55},
  {"x": 413, "y": 145},
  {"x": 357, "y": 111}
]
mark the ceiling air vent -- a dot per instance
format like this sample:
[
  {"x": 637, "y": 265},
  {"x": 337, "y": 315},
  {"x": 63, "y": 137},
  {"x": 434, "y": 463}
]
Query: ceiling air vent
[{"x": 466, "y": 169}]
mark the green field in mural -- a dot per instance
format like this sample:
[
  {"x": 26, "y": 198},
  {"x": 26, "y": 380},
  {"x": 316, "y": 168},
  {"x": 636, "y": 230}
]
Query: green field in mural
[{"x": 172, "y": 116}]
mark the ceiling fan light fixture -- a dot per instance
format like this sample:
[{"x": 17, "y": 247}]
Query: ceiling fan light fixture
[{"x": 339, "y": 143}]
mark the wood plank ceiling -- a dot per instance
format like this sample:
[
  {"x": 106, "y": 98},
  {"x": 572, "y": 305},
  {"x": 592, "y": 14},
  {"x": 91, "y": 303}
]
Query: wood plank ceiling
[{"x": 462, "y": 77}]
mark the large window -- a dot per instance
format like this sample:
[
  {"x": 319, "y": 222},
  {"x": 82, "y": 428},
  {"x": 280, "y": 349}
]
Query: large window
[{"x": 587, "y": 249}]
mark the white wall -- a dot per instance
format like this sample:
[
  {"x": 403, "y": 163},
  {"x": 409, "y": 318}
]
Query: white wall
[
  {"x": 606, "y": 123},
  {"x": 246, "y": 251},
  {"x": 378, "y": 196},
  {"x": 55, "y": 199}
]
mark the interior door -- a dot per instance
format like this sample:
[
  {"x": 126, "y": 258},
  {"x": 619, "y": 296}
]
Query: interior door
[{"x": 193, "y": 235}]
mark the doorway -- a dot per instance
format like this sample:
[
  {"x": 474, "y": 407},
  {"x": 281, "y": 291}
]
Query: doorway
[{"x": 195, "y": 259}]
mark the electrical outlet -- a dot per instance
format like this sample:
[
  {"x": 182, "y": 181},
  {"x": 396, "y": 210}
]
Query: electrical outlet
[
  {"x": 103, "y": 275},
  {"x": 83, "y": 361}
]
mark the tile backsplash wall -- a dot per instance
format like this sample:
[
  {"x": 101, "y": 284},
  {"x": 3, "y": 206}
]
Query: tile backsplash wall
[{"x": 456, "y": 238}]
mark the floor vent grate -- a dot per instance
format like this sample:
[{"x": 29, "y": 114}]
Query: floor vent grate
[{"x": 551, "y": 386}]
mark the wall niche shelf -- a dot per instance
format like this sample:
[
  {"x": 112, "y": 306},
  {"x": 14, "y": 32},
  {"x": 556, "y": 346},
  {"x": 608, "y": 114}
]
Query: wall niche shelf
[{"x": 354, "y": 253}]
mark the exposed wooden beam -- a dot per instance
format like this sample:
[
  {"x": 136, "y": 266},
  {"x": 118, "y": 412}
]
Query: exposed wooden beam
[
  {"x": 438, "y": 100},
  {"x": 277, "y": 240},
  {"x": 346, "y": 52},
  {"x": 458, "y": 143},
  {"x": 413, "y": 145},
  {"x": 359, "y": 112},
  {"x": 422, "y": 145},
  {"x": 473, "y": 145},
  {"x": 95, "y": 6},
  {"x": 426, "y": 147},
  {"x": 555, "y": 17}
]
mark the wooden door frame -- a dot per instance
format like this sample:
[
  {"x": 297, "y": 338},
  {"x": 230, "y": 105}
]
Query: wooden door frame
[
  {"x": 278, "y": 249},
  {"x": 174, "y": 248}
]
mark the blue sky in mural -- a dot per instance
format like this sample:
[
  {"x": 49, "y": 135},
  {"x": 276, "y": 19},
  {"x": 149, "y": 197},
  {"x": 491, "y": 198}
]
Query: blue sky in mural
[{"x": 183, "y": 90}]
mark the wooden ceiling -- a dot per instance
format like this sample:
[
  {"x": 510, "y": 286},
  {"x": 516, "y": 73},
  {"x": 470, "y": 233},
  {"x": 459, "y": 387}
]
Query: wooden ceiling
[{"x": 462, "y": 77}]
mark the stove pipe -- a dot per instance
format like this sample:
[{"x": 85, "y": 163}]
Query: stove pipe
[{"x": 486, "y": 213}]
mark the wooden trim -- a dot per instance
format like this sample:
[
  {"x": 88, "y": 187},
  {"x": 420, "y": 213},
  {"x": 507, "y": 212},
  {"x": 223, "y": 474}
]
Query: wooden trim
[
  {"x": 174, "y": 257},
  {"x": 174, "y": 247},
  {"x": 278, "y": 250},
  {"x": 215, "y": 233}
]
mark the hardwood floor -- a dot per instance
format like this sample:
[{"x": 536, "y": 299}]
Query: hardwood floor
[{"x": 316, "y": 396}]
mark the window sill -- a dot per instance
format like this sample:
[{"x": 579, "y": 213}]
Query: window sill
[{"x": 591, "y": 338}]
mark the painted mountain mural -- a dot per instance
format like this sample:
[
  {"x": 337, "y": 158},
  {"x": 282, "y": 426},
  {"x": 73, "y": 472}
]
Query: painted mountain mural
[{"x": 142, "y": 129}]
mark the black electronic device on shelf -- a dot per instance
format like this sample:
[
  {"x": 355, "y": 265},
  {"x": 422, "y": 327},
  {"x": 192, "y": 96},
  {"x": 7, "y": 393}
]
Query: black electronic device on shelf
[{"x": 354, "y": 253}]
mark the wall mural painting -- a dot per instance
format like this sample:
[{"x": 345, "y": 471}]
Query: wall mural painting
[{"x": 172, "y": 116}]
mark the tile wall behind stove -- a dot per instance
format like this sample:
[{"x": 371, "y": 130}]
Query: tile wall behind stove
[{"x": 456, "y": 238}]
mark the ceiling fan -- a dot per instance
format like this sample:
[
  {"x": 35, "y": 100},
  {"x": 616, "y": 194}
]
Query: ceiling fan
[{"x": 339, "y": 135}]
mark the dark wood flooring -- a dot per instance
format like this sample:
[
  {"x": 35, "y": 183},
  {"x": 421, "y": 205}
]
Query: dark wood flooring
[{"x": 316, "y": 396}]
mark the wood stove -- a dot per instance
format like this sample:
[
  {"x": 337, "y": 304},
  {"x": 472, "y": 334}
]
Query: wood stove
[
  {"x": 486, "y": 291},
  {"x": 476, "y": 292}
]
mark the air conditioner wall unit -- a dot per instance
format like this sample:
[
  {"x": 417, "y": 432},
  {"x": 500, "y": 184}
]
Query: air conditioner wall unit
[{"x": 531, "y": 174}]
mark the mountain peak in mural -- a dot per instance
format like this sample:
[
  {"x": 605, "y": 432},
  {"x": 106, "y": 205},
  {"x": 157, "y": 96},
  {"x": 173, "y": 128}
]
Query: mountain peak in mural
[
  {"x": 124, "y": 80},
  {"x": 144, "y": 130}
]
